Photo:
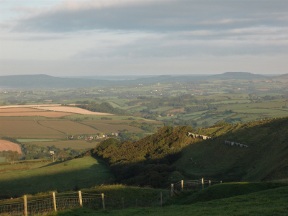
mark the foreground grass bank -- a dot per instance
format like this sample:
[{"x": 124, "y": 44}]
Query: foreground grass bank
[{"x": 265, "y": 202}]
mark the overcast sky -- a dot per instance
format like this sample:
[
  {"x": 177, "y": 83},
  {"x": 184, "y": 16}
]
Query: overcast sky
[{"x": 143, "y": 37}]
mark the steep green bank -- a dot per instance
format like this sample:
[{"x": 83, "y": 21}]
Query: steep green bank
[{"x": 265, "y": 158}]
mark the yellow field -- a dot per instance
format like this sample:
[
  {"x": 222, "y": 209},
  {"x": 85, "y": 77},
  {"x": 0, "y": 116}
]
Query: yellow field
[
  {"x": 30, "y": 112},
  {"x": 35, "y": 109}
]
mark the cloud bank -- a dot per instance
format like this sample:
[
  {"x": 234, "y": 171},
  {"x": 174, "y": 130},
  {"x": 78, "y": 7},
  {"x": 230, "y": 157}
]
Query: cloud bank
[{"x": 165, "y": 36}]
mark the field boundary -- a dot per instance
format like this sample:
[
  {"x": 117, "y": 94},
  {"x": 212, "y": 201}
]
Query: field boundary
[
  {"x": 34, "y": 205},
  {"x": 182, "y": 185},
  {"x": 53, "y": 202}
]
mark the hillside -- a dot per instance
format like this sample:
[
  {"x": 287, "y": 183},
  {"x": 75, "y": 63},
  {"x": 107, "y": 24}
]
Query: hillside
[
  {"x": 147, "y": 161},
  {"x": 264, "y": 159},
  {"x": 170, "y": 154}
]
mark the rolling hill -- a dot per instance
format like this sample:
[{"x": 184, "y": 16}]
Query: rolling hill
[{"x": 170, "y": 154}]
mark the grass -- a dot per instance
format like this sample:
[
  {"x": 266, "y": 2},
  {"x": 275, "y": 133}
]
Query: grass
[
  {"x": 68, "y": 175},
  {"x": 265, "y": 202}
]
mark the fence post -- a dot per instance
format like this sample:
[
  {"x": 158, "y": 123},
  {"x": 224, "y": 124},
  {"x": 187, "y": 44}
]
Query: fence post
[
  {"x": 122, "y": 199},
  {"x": 172, "y": 190},
  {"x": 103, "y": 200},
  {"x": 161, "y": 199},
  {"x": 202, "y": 181},
  {"x": 25, "y": 205},
  {"x": 54, "y": 201},
  {"x": 182, "y": 185},
  {"x": 209, "y": 182},
  {"x": 80, "y": 198}
]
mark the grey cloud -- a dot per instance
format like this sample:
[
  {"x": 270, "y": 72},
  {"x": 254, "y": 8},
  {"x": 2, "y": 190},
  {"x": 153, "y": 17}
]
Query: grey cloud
[
  {"x": 172, "y": 48},
  {"x": 162, "y": 16}
]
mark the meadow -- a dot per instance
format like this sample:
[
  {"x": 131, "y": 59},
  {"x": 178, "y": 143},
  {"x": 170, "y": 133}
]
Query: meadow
[{"x": 36, "y": 177}]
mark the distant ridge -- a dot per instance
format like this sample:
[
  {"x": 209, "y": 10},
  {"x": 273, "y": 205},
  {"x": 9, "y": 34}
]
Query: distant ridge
[
  {"x": 46, "y": 81},
  {"x": 51, "y": 82},
  {"x": 239, "y": 75},
  {"x": 281, "y": 78}
]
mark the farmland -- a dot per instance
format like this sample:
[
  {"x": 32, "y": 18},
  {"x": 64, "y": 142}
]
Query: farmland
[
  {"x": 59, "y": 128},
  {"x": 134, "y": 110}
]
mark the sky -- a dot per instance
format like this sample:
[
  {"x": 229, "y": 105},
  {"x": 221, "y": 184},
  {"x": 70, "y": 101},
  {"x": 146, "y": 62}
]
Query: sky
[{"x": 143, "y": 37}]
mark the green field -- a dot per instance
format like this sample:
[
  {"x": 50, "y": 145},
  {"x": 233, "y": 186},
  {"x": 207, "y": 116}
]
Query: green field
[
  {"x": 64, "y": 144},
  {"x": 19, "y": 179}
]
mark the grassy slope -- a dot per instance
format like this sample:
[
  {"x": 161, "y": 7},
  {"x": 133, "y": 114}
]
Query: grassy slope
[
  {"x": 264, "y": 159},
  {"x": 68, "y": 175},
  {"x": 264, "y": 202}
]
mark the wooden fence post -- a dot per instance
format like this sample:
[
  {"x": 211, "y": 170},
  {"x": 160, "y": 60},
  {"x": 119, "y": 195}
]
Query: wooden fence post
[
  {"x": 172, "y": 190},
  {"x": 54, "y": 201},
  {"x": 122, "y": 199},
  {"x": 103, "y": 200},
  {"x": 209, "y": 182},
  {"x": 202, "y": 181},
  {"x": 182, "y": 185},
  {"x": 80, "y": 198},
  {"x": 25, "y": 205}
]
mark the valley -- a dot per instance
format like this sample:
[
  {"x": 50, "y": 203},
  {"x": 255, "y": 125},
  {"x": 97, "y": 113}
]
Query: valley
[{"x": 138, "y": 133}]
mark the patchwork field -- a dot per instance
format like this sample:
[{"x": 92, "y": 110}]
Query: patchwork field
[{"x": 54, "y": 125}]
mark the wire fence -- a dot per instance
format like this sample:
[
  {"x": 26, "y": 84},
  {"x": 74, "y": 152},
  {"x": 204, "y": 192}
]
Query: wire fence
[
  {"x": 41, "y": 204},
  {"x": 35, "y": 205},
  {"x": 198, "y": 184}
]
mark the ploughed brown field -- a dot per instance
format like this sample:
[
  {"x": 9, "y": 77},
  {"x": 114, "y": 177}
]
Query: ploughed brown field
[{"x": 9, "y": 146}]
